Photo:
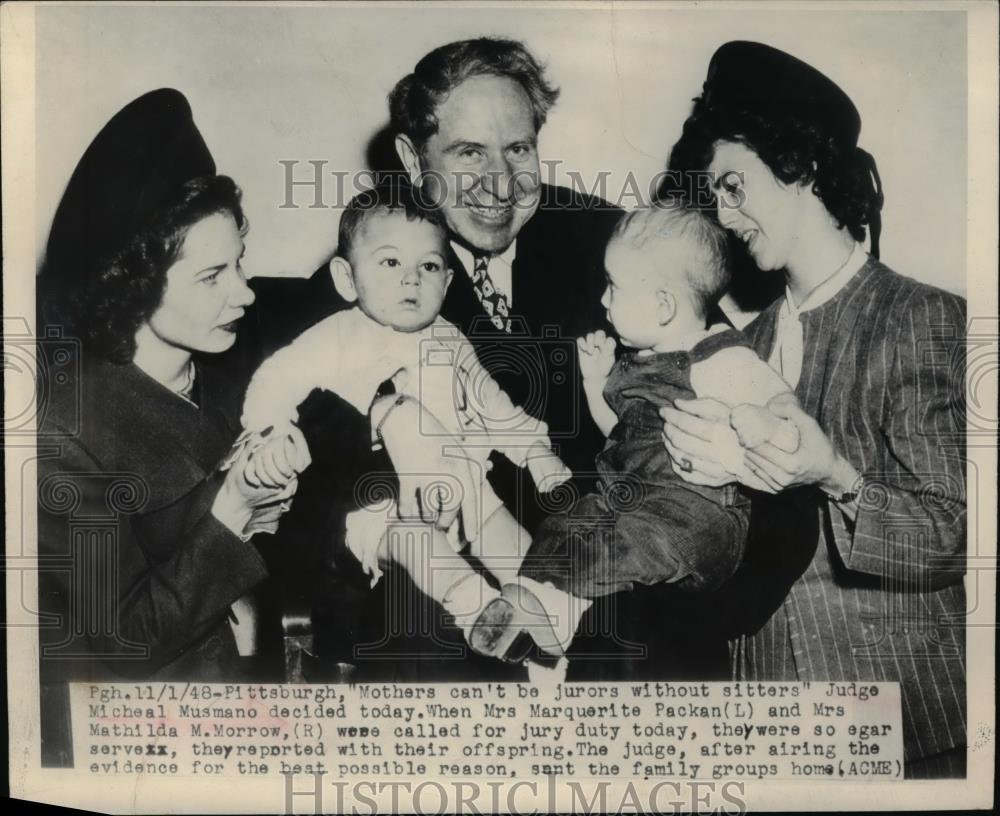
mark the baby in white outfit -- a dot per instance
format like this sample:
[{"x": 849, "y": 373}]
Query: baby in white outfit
[{"x": 392, "y": 262}]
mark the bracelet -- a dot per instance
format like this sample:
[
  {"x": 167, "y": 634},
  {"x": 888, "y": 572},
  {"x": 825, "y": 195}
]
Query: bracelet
[
  {"x": 379, "y": 441},
  {"x": 850, "y": 495}
]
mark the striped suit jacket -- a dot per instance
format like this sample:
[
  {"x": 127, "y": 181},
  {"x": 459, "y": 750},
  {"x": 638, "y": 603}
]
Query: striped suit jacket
[{"x": 883, "y": 598}]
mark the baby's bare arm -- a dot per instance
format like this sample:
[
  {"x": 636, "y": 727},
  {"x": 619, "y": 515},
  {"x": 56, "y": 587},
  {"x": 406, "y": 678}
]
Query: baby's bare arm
[{"x": 596, "y": 352}]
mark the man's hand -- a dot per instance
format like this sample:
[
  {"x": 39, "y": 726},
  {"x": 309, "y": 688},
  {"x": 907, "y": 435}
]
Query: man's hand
[
  {"x": 436, "y": 481},
  {"x": 597, "y": 355}
]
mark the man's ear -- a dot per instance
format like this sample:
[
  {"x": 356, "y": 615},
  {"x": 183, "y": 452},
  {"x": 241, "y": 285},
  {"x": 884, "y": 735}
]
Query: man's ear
[
  {"x": 409, "y": 156},
  {"x": 666, "y": 306},
  {"x": 343, "y": 279}
]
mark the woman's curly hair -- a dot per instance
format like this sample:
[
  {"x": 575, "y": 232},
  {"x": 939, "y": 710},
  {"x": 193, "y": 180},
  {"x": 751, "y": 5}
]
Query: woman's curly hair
[
  {"x": 105, "y": 306},
  {"x": 795, "y": 151}
]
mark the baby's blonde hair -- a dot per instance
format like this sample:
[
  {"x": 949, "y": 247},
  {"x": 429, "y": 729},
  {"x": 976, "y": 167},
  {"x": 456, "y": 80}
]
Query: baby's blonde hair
[{"x": 707, "y": 272}]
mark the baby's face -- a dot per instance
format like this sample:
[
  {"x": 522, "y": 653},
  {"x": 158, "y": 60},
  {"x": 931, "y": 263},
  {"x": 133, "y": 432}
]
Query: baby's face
[
  {"x": 630, "y": 297},
  {"x": 400, "y": 271}
]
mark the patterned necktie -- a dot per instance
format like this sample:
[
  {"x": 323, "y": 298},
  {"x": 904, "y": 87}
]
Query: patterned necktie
[{"x": 494, "y": 302}]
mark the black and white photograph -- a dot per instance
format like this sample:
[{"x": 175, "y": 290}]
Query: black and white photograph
[{"x": 517, "y": 407}]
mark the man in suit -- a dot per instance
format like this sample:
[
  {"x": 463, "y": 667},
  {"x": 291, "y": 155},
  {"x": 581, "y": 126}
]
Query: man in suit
[
  {"x": 527, "y": 257},
  {"x": 466, "y": 124},
  {"x": 529, "y": 274}
]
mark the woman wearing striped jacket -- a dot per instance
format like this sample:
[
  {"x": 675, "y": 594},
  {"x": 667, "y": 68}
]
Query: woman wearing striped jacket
[{"x": 876, "y": 361}]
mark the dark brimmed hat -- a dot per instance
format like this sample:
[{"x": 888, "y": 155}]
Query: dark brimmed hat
[
  {"x": 135, "y": 166},
  {"x": 756, "y": 79}
]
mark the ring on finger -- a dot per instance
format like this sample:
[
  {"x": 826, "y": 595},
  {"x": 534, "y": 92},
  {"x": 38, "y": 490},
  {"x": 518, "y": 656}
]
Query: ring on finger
[{"x": 686, "y": 465}]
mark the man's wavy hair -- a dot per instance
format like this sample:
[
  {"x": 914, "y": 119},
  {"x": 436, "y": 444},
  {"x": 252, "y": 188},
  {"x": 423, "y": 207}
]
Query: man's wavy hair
[
  {"x": 414, "y": 100},
  {"x": 795, "y": 151},
  {"x": 104, "y": 306}
]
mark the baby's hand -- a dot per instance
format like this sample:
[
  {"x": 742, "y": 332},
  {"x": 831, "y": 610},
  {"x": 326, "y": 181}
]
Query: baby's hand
[
  {"x": 547, "y": 469},
  {"x": 597, "y": 355},
  {"x": 280, "y": 457},
  {"x": 755, "y": 425}
]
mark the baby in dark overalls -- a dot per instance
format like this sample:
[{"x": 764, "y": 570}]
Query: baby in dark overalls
[{"x": 666, "y": 269}]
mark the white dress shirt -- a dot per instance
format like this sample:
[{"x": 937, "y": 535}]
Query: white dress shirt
[
  {"x": 786, "y": 356},
  {"x": 500, "y": 268}
]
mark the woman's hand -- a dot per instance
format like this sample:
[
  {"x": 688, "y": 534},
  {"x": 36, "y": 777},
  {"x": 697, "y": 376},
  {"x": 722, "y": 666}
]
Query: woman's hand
[
  {"x": 689, "y": 434},
  {"x": 436, "y": 481},
  {"x": 257, "y": 478},
  {"x": 815, "y": 462}
]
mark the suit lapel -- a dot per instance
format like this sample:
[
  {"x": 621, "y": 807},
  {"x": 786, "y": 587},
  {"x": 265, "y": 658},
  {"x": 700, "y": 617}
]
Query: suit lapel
[{"x": 524, "y": 284}]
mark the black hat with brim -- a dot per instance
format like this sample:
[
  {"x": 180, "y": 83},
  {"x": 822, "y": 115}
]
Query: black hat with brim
[
  {"x": 754, "y": 78},
  {"x": 135, "y": 166},
  {"x": 750, "y": 79}
]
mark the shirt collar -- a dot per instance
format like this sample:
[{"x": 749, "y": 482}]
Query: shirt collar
[
  {"x": 508, "y": 255},
  {"x": 830, "y": 287},
  {"x": 468, "y": 259}
]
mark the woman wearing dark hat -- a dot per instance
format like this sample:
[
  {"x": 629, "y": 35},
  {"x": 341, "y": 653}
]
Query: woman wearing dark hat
[
  {"x": 144, "y": 540},
  {"x": 876, "y": 362}
]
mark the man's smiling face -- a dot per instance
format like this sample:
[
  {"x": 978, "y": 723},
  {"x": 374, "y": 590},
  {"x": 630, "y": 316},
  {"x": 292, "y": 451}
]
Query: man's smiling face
[{"x": 482, "y": 164}]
